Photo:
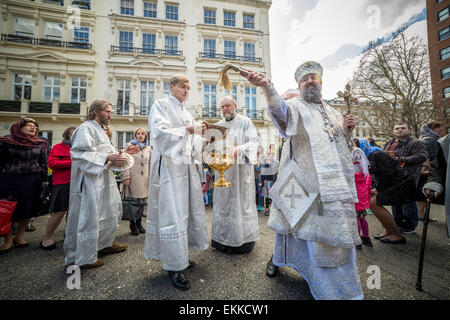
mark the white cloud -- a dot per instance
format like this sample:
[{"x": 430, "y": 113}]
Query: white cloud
[
  {"x": 283, "y": 6},
  {"x": 321, "y": 31}
]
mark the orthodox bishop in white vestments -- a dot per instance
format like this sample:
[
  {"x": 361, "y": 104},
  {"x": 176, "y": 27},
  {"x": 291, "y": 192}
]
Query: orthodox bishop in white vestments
[
  {"x": 313, "y": 199},
  {"x": 235, "y": 219},
  {"x": 176, "y": 220},
  {"x": 95, "y": 206}
]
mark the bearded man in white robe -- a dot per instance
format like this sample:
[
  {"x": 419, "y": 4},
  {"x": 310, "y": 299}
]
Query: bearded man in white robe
[
  {"x": 176, "y": 220},
  {"x": 235, "y": 219},
  {"x": 313, "y": 199},
  {"x": 95, "y": 207}
]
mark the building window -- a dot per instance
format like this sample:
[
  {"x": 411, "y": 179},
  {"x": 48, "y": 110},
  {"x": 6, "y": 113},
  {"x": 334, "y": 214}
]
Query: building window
[
  {"x": 147, "y": 97},
  {"x": 123, "y": 96},
  {"x": 81, "y": 34},
  {"x": 51, "y": 88},
  {"x": 444, "y": 33},
  {"x": 210, "y": 16},
  {"x": 171, "y": 45},
  {"x": 123, "y": 138},
  {"x": 233, "y": 93},
  {"x": 443, "y": 14},
  {"x": 167, "y": 90},
  {"x": 250, "y": 101},
  {"x": 82, "y": 4},
  {"x": 229, "y": 18},
  {"x": 209, "y": 99},
  {"x": 126, "y": 41},
  {"x": 24, "y": 27},
  {"x": 22, "y": 86},
  {"x": 150, "y": 9},
  {"x": 78, "y": 90},
  {"x": 229, "y": 49},
  {"x": 53, "y": 31},
  {"x": 249, "y": 21},
  {"x": 171, "y": 12},
  {"x": 249, "y": 51},
  {"x": 127, "y": 7},
  {"x": 47, "y": 135},
  {"x": 148, "y": 43},
  {"x": 210, "y": 48},
  {"x": 446, "y": 92},
  {"x": 445, "y": 73},
  {"x": 445, "y": 53}
]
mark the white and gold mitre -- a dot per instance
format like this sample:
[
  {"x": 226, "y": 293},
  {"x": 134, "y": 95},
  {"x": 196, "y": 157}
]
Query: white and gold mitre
[{"x": 307, "y": 68}]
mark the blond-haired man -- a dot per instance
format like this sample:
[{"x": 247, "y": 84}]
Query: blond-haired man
[{"x": 176, "y": 220}]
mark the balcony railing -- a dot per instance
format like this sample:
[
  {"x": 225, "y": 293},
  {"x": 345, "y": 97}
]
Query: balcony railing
[
  {"x": 69, "y": 108},
  {"x": 10, "y": 105},
  {"x": 152, "y": 51},
  {"x": 40, "y": 107},
  {"x": 216, "y": 113},
  {"x": 46, "y": 42},
  {"x": 252, "y": 114},
  {"x": 142, "y": 110},
  {"x": 211, "y": 113},
  {"x": 220, "y": 56}
]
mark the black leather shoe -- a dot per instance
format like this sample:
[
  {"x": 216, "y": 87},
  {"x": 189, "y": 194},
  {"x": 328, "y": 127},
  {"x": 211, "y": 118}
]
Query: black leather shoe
[
  {"x": 20, "y": 245},
  {"x": 271, "y": 270},
  {"x": 179, "y": 280},
  {"x": 400, "y": 241},
  {"x": 50, "y": 247}
]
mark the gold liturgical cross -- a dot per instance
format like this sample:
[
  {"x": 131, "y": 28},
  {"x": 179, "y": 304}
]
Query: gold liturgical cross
[{"x": 331, "y": 132}]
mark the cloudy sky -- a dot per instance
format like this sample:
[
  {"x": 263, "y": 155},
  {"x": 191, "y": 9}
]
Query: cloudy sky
[{"x": 333, "y": 33}]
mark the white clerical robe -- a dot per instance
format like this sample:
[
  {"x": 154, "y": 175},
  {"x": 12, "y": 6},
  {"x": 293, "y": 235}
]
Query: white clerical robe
[
  {"x": 322, "y": 247},
  {"x": 176, "y": 220},
  {"x": 95, "y": 207},
  {"x": 235, "y": 218}
]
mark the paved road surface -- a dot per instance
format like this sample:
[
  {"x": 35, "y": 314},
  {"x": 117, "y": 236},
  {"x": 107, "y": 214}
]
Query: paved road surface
[{"x": 32, "y": 273}]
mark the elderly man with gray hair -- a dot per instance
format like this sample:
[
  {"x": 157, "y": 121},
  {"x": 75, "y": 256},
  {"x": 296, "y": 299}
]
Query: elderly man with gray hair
[
  {"x": 313, "y": 198},
  {"x": 235, "y": 218}
]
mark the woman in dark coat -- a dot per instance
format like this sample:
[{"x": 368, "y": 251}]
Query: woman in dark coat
[
  {"x": 60, "y": 162},
  {"x": 23, "y": 173}
]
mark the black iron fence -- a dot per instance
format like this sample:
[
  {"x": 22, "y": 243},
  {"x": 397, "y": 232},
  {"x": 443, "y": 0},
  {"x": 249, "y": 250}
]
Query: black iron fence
[
  {"x": 220, "y": 56},
  {"x": 46, "y": 42},
  {"x": 146, "y": 50},
  {"x": 10, "y": 105}
]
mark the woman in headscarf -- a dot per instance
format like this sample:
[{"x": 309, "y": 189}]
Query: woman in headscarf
[
  {"x": 60, "y": 162},
  {"x": 135, "y": 180},
  {"x": 23, "y": 174}
]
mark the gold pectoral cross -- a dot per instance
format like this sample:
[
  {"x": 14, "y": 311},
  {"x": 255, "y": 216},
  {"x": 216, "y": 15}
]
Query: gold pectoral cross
[{"x": 331, "y": 132}]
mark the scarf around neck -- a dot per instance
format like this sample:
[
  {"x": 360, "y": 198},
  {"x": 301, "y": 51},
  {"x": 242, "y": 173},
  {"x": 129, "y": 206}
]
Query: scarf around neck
[{"x": 18, "y": 138}]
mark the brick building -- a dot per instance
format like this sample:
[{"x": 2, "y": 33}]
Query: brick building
[{"x": 438, "y": 20}]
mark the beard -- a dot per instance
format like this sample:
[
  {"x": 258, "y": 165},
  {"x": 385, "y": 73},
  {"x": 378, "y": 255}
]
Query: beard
[
  {"x": 104, "y": 121},
  {"x": 228, "y": 115},
  {"x": 312, "y": 93}
]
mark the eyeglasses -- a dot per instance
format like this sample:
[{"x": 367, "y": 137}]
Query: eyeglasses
[{"x": 31, "y": 126}]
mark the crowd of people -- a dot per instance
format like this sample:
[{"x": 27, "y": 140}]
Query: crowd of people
[{"x": 170, "y": 182}]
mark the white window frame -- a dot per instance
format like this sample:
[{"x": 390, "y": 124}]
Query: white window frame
[
  {"x": 22, "y": 33},
  {"x": 52, "y": 37},
  {"x": 125, "y": 86},
  {"x": 22, "y": 84},
  {"x": 125, "y": 136},
  {"x": 79, "y": 88},
  {"x": 147, "y": 97},
  {"x": 52, "y": 87},
  {"x": 81, "y": 40}
]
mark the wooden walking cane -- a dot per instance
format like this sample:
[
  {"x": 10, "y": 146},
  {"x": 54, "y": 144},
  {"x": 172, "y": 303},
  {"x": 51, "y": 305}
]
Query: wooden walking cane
[{"x": 424, "y": 239}]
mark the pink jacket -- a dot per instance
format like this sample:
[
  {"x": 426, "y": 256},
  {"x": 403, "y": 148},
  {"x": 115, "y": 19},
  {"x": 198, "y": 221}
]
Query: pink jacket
[{"x": 363, "y": 186}]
